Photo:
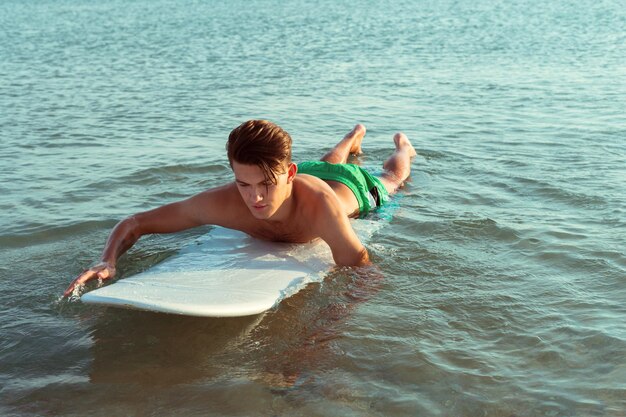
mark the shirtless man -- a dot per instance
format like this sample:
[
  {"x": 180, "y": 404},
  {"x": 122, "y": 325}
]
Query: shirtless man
[{"x": 272, "y": 198}]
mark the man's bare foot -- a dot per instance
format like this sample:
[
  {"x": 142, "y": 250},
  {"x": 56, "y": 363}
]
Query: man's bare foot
[
  {"x": 402, "y": 143},
  {"x": 350, "y": 144},
  {"x": 356, "y": 135}
]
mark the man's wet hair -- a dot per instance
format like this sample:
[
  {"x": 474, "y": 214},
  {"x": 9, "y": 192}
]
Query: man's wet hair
[{"x": 261, "y": 143}]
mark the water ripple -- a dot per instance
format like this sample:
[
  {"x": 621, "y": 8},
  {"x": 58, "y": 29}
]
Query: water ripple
[{"x": 501, "y": 274}]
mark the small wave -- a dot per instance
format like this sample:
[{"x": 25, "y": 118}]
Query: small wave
[
  {"x": 69, "y": 140},
  {"x": 558, "y": 193},
  {"x": 614, "y": 257},
  {"x": 158, "y": 175},
  {"x": 39, "y": 233},
  {"x": 475, "y": 229}
]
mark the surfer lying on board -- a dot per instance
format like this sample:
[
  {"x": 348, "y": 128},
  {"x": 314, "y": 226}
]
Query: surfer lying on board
[{"x": 272, "y": 198}]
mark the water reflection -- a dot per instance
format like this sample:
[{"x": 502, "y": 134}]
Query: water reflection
[
  {"x": 278, "y": 349},
  {"x": 161, "y": 349},
  {"x": 300, "y": 339}
]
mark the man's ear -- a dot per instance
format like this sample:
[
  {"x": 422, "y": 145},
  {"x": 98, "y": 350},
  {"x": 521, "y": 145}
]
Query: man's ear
[{"x": 291, "y": 172}]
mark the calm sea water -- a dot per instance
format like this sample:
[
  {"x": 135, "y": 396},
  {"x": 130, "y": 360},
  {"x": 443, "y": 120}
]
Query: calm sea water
[{"x": 504, "y": 265}]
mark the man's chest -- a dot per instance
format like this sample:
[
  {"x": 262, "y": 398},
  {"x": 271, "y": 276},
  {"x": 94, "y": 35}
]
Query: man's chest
[{"x": 293, "y": 233}]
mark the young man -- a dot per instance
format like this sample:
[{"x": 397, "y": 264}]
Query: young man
[{"x": 271, "y": 198}]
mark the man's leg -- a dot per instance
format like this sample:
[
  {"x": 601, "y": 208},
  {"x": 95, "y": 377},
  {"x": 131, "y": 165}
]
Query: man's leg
[
  {"x": 350, "y": 144},
  {"x": 398, "y": 166}
]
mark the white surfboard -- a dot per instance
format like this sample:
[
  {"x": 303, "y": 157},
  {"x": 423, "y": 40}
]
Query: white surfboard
[{"x": 225, "y": 274}]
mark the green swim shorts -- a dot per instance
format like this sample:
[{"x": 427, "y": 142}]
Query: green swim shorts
[{"x": 368, "y": 190}]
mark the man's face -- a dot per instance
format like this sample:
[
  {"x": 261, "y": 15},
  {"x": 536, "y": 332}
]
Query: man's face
[{"x": 261, "y": 195}]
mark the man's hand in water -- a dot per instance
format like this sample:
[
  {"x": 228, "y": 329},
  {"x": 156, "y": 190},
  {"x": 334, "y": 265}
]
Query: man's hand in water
[{"x": 103, "y": 271}]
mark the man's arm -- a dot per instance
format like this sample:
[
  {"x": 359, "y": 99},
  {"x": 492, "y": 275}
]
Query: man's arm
[
  {"x": 335, "y": 229},
  {"x": 209, "y": 207}
]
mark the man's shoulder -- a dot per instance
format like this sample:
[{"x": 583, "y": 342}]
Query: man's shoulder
[
  {"x": 220, "y": 206},
  {"x": 226, "y": 195},
  {"x": 308, "y": 187},
  {"x": 316, "y": 199},
  {"x": 310, "y": 183}
]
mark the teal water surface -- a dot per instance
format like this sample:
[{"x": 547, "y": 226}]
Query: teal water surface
[{"x": 503, "y": 266}]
